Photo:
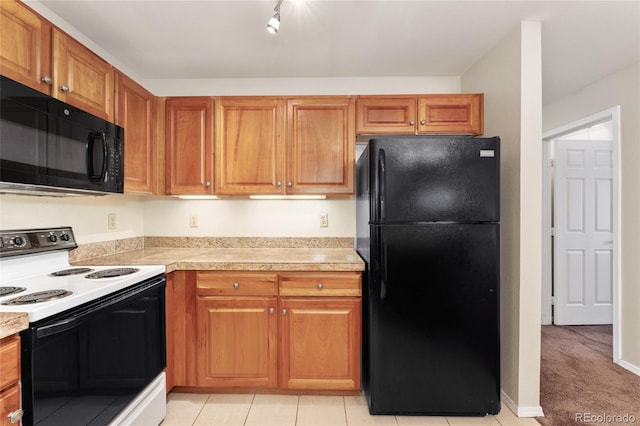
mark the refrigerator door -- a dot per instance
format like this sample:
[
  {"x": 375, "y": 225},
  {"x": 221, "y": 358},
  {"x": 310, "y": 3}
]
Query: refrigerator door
[
  {"x": 425, "y": 179},
  {"x": 432, "y": 342}
]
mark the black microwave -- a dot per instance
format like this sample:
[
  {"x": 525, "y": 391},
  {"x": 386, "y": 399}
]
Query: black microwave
[{"x": 48, "y": 147}]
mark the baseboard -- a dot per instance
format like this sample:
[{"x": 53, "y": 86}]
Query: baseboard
[
  {"x": 631, "y": 367},
  {"x": 521, "y": 411}
]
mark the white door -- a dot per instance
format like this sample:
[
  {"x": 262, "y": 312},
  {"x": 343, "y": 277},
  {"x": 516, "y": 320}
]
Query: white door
[{"x": 583, "y": 243}]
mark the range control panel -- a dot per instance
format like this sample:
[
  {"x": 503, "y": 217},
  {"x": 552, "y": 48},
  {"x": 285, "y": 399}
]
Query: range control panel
[{"x": 17, "y": 242}]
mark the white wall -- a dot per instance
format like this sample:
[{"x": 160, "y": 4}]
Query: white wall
[
  {"x": 510, "y": 77},
  {"x": 621, "y": 88}
]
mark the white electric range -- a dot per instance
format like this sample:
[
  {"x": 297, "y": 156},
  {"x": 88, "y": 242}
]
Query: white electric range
[{"x": 96, "y": 332}]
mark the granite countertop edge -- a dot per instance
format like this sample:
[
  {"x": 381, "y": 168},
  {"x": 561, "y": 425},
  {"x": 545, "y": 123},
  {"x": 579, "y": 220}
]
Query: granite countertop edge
[{"x": 12, "y": 323}]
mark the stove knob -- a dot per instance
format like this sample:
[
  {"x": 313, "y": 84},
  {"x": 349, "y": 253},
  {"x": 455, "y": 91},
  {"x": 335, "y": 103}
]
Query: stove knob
[
  {"x": 64, "y": 237},
  {"x": 19, "y": 241},
  {"x": 52, "y": 238}
]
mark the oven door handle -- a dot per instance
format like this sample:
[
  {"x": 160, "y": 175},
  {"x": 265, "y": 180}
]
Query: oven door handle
[{"x": 55, "y": 328}]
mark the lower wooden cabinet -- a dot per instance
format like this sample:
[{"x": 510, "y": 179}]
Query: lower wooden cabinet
[
  {"x": 10, "y": 411},
  {"x": 278, "y": 330}
]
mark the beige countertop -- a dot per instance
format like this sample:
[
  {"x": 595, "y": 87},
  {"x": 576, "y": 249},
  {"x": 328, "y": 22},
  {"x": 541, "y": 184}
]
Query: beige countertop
[
  {"x": 12, "y": 322},
  {"x": 236, "y": 259}
]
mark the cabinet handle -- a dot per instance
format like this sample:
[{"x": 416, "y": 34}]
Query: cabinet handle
[
  {"x": 284, "y": 312},
  {"x": 412, "y": 122},
  {"x": 65, "y": 88},
  {"x": 15, "y": 416},
  {"x": 207, "y": 184},
  {"x": 236, "y": 285},
  {"x": 279, "y": 184},
  {"x": 423, "y": 122},
  {"x": 289, "y": 184},
  {"x": 47, "y": 80},
  {"x": 272, "y": 311},
  {"x": 320, "y": 286}
]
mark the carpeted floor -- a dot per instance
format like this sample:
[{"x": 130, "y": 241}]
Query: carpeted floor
[{"x": 579, "y": 383}]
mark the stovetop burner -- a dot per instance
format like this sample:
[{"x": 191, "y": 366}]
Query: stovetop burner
[
  {"x": 40, "y": 296},
  {"x": 6, "y": 290},
  {"x": 71, "y": 271},
  {"x": 110, "y": 273}
]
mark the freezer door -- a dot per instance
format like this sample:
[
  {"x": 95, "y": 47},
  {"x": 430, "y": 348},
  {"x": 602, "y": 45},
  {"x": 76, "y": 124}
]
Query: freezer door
[
  {"x": 433, "y": 328},
  {"x": 424, "y": 179}
]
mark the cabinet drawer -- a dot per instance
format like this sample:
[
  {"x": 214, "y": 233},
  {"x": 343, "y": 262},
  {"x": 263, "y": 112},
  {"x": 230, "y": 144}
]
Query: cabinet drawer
[
  {"x": 9, "y": 403},
  {"x": 320, "y": 284},
  {"x": 232, "y": 284},
  {"x": 9, "y": 361}
]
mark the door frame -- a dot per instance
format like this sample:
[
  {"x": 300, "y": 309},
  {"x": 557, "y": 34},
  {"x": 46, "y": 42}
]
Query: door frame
[{"x": 612, "y": 114}]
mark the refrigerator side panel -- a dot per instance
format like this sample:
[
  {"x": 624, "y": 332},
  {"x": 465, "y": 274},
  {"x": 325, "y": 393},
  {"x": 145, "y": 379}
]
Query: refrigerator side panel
[
  {"x": 425, "y": 179},
  {"x": 362, "y": 241},
  {"x": 435, "y": 321}
]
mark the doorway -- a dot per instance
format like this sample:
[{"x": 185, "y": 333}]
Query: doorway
[{"x": 581, "y": 192}]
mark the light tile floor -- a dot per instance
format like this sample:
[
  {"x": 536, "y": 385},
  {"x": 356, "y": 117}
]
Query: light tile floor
[{"x": 304, "y": 410}]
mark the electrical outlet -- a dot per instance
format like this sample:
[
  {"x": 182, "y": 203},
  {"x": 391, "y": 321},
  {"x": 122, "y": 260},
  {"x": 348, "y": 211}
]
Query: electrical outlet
[
  {"x": 324, "y": 220},
  {"x": 112, "y": 222},
  {"x": 193, "y": 221}
]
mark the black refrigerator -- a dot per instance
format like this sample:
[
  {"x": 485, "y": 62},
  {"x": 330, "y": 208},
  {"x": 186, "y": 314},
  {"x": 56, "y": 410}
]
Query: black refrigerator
[{"x": 428, "y": 230}]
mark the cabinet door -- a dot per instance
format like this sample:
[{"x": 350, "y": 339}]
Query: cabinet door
[
  {"x": 320, "y": 145},
  {"x": 9, "y": 406},
  {"x": 249, "y": 153},
  {"x": 451, "y": 114},
  {"x": 236, "y": 341},
  {"x": 136, "y": 113},
  {"x": 25, "y": 45},
  {"x": 386, "y": 115},
  {"x": 82, "y": 78},
  {"x": 320, "y": 343},
  {"x": 189, "y": 145}
]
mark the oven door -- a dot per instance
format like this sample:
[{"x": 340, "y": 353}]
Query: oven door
[{"x": 86, "y": 365}]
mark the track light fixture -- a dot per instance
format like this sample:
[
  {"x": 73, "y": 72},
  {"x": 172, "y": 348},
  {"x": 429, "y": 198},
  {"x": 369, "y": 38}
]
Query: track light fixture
[{"x": 274, "y": 22}]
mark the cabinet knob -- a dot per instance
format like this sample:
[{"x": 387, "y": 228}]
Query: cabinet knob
[
  {"x": 278, "y": 184},
  {"x": 15, "y": 416},
  {"x": 47, "y": 80},
  {"x": 272, "y": 311},
  {"x": 207, "y": 184},
  {"x": 236, "y": 285},
  {"x": 412, "y": 122},
  {"x": 65, "y": 88},
  {"x": 289, "y": 184},
  {"x": 320, "y": 286},
  {"x": 284, "y": 312},
  {"x": 423, "y": 122}
]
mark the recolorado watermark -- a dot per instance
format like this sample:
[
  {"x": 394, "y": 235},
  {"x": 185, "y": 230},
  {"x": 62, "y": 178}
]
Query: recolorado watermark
[{"x": 604, "y": 418}]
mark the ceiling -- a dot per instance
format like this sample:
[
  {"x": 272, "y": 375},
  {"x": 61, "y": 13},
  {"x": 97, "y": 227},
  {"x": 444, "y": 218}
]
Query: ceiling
[{"x": 582, "y": 41}]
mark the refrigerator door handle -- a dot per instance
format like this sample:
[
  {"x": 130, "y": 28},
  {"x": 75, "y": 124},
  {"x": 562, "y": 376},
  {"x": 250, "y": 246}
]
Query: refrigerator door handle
[
  {"x": 382, "y": 183},
  {"x": 383, "y": 266}
]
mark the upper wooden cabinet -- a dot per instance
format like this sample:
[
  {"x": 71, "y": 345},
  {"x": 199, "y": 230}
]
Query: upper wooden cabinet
[
  {"x": 39, "y": 55},
  {"x": 248, "y": 145},
  {"x": 25, "y": 45},
  {"x": 320, "y": 146},
  {"x": 259, "y": 150},
  {"x": 422, "y": 114},
  {"x": 189, "y": 146},
  {"x": 81, "y": 78},
  {"x": 136, "y": 112}
]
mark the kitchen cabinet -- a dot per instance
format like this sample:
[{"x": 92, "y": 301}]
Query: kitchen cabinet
[
  {"x": 25, "y": 45},
  {"x": 319, "y": 331},
  {"x": 237, "y": 329},
  {"x": 40, "y": 55},
  {"x": 136, "y": 112},
  {"x": 260, "y": 150},
  {"x": 420, "y": 114},
  {"x": 320, "y": 145},
  {"x": 189, "y": 146},
  {"x": 10, "y": 411},
  {"x": 249, "y": 145},
  {"x": 287, "y": 330}
]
